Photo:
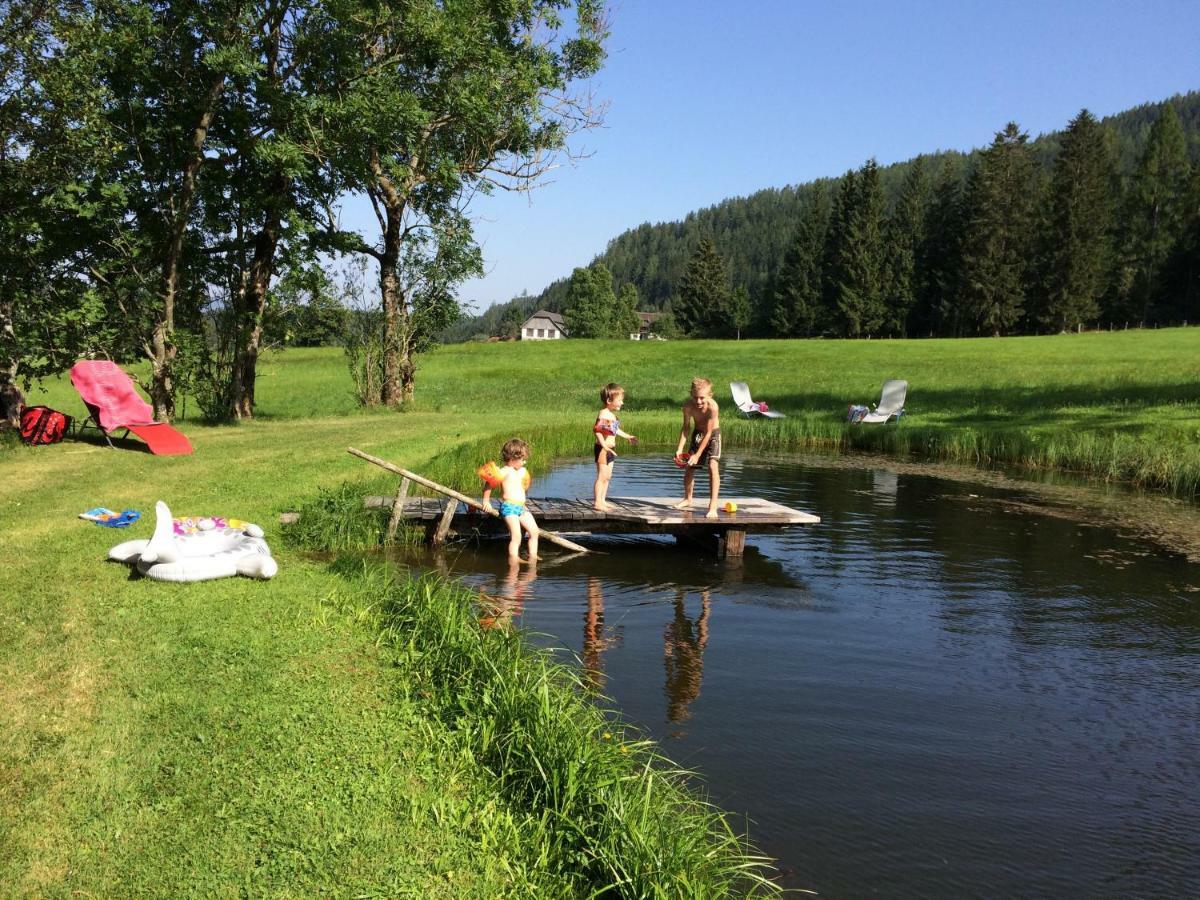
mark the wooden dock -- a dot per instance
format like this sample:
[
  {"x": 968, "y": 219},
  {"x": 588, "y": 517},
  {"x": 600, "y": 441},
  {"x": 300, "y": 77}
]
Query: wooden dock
[
  {"x": 629, "y": 515},
  {"x": 726, "y": 534}
]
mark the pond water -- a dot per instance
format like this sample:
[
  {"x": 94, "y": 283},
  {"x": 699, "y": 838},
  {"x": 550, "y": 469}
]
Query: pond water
[{"x": 933, "y": 692}]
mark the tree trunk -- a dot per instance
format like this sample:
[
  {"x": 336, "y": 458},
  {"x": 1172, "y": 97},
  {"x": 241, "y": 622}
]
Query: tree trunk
[
  {"x": 11, "y": 398},
  {"x": 253, "y": 303},
  {"x": 10, "y": 353},
  {"x": 162, "y": 344},
  {"x": 395, "y": 356}
]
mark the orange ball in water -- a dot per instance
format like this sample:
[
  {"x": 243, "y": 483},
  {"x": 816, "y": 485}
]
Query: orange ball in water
[{"x": 730, "y": 507}]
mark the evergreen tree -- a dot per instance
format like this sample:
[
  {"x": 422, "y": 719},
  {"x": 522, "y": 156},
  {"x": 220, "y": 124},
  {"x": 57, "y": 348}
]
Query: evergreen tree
[
  {"x": 700, "y": 308},
  {"x": 996, "y": 239},
  {"x": 1154, "y": 214},
  {"x": 940, "y": 258},
  {"x": 591, "y": 303},
  {"x": 857, "y": 256},
  {"x": 625, "y": 318},
  {"x": 796, "y": 309},
  {"x": 1078, "y": 245},
  {"x": 739, "y": 310},
  {"x": 905, "y": 234},
  {"x": 836, "y": 235},
  {"x": 1182, "y": 273}
]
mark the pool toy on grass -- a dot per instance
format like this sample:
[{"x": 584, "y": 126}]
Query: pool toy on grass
[
  {"x": 198, "y": 549},
  {"x": 111, "y": 518}
]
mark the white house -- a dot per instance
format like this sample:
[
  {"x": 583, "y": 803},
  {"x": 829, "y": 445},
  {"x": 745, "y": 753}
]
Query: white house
[{"x": 543, "y": 326}]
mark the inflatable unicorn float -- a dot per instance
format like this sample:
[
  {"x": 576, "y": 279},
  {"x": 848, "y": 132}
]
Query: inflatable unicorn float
[{"x": 198, "y": 549}]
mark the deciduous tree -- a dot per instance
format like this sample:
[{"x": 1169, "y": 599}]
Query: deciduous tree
[
  {"x": 591, "y": 304},
  {"x": 437, "y": 102}
]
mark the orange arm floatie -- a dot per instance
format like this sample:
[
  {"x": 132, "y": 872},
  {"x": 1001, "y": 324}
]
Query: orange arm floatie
[
  {"x": 490, "y": 473},
  {"x": 526, "y": 479}
]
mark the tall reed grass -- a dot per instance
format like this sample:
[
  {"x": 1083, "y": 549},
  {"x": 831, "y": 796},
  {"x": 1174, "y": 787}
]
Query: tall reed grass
[{"x": 593, "y": 802}]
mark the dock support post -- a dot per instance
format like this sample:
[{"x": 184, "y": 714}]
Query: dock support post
[
  {"x": 442, "y": 529},
  {"x": 397, "y": 509},
  {"x": 731, "y": 543}
]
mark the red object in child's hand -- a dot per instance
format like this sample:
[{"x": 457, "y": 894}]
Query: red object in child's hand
[
  {"x": 633, "y": 441},
  {"x": 762, "y": 407},
  {"x": 681, "y": 460}
]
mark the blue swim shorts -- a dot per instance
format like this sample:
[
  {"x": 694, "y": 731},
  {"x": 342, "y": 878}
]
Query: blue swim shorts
[{"x": 511, "y": 509}]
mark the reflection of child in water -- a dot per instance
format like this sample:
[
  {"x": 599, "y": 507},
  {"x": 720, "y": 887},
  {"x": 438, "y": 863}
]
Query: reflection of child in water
[
  {"x": 509, "y": 602},
  {"x": 595, "y": 640},
  {"x": 683, "y": 657}
]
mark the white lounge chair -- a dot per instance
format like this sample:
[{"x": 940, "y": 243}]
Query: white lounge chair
[
  {"x": 746, "y": 406},
  {"x": 891, "y": 402}
]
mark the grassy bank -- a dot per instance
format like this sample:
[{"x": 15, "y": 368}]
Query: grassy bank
[
  {"x": 290, "y": 737},
  {"x": 305, "y": 734}
]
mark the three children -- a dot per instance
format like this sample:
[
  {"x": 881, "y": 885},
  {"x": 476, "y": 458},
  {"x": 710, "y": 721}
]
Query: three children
[{"x": 700, "y": 433}]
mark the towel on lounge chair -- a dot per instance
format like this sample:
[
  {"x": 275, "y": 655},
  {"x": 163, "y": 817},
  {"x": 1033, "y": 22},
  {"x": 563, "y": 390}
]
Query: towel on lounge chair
[
  {"x": 746, "y": 406},
  {"x": 113, "y": 403},
  {"x": 891, "y": 402}
]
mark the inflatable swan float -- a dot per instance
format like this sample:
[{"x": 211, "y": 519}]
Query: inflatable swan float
[{"x": 209, "y": 551}]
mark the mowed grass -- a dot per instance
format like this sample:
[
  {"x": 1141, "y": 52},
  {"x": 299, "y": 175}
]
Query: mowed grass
[{"x": 246, "y": 737}]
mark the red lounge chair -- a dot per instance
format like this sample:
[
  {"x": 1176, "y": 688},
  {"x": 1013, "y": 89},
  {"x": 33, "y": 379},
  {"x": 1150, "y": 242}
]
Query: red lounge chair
[{"x": 113, "y": 403}]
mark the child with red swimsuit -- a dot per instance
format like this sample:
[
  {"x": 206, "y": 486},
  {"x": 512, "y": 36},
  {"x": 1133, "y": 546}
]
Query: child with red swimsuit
[{"x": 607, "y": 429}]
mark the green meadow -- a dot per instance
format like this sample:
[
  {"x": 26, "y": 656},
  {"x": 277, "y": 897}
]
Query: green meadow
[{"x": 345, "y": 729}]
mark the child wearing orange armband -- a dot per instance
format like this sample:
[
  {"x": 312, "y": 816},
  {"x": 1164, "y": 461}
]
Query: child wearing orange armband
[
  {"x": 607, "y": 429},
  {"x": 513, "y": 480}
]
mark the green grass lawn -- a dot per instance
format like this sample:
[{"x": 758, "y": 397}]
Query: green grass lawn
[{"x": 244, "y": 737}]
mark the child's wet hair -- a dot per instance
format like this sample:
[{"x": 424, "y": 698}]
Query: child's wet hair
[
  {"x": 514, "y": 449},
  {"x": 701, "y": 384},
  {"x": 609, "y": 391}
]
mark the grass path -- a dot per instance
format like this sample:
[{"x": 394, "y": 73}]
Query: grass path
[{"x": 244, "y": 737}]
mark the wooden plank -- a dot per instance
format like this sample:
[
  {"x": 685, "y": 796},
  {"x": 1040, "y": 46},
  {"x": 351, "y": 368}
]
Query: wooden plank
[
  {"x": 462, "y": 498},
  {"x": 397, "y": 508}
]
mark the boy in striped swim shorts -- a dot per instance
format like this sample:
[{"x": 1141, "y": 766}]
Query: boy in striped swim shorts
[{"x": 701, "y": 419}]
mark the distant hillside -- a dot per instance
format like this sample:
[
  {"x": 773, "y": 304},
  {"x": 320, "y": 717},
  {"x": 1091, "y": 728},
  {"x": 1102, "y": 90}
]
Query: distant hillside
[{"x": 752, "y": 233}]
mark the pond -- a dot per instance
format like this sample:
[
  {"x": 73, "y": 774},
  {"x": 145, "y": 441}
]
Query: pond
[{"x": 936, "y": 691}]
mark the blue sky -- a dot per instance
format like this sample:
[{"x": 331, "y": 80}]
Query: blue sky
[{"x": 711, "y": 100}]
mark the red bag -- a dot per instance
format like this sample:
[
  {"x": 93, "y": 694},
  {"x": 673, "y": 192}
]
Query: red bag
[{"x": 43, "y": 425}]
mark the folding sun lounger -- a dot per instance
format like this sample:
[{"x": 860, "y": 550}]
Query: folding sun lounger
[
  {"x": 891, "y": 402},
  {"x": 747, "y": 407},
  {"x": 113, "y": 403}
]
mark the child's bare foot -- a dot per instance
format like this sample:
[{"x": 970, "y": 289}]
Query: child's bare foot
[
  {"x": 711, "y": 514},
  {"x": 602, "y": 506},
  {"x": 682, "y": 504}
]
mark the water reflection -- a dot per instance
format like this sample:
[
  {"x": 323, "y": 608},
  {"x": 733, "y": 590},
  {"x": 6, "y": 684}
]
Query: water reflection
[
  {"x": 595, "y": 638},
  {"x": 942, "y": 689},
  {"x": 507, "y": 603},
  {"x": 684, "y": 641}
]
